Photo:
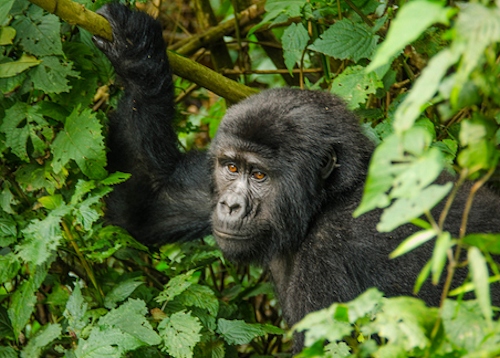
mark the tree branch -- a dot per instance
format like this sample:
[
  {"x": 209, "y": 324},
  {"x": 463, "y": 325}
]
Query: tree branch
[{"x": 76, "y": 14}]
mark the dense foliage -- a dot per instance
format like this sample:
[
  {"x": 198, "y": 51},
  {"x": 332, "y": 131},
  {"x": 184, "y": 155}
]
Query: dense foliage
[{"x": 423, "y": 78}]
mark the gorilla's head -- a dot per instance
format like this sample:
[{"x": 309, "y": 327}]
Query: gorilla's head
[{"x": 279, "y": 157}]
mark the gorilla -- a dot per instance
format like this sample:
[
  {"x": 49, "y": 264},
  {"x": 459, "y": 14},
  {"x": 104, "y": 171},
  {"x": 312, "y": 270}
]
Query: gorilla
[{"x": 277, "y": 187}]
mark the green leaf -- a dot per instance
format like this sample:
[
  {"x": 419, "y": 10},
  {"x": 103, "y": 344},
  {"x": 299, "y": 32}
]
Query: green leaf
[
  {"x": 39, "y": 342},
  {"x": 5, "y": 6},
  {"x": 412, "y": 242},
  {"x": 346, "y": 40},
  {"x": 10, "y": 69},
  {"x": 22, "y": 305},
  {"x": 7, "y": 35},
  {"x": 9, "y": 267},
  {"x": 354, "y": 85},
  {"x": 39, "y": 32},
  {"x": 175, "y": 287},
  {"x": 22, "y": 122},
  {"x": 295, "y": 39},
  {"x": 115, "y": 178},
  {"x": 81, "y": 141},
  {"x": 440, "y": 255},
  {"x": 485, "y": 242},
  {"x": 130, "y": 319},
  {"x": 200, "y": 296},
  {"x": 76, "y": 307},
  {"x": 239, "y": 332},
  {"x": 121, "y": 291},
  {"x": 180, "y": 333},
  {"x": 42, "y": 237},
  {"x": 405, "y": 209},
  {"x": 410, "y": 22},
  {"x": 424, "y": 88},
  {"x": 479, "y": 271},
  {"x": 51, "y": 74}
]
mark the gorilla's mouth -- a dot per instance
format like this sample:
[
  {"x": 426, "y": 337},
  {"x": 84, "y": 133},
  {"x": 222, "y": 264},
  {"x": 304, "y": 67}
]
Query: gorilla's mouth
[{"x": 231, "y": 235}]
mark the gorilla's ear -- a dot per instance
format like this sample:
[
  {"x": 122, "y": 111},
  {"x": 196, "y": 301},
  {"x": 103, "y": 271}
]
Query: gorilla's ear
[{"x": 329, "y": 164}]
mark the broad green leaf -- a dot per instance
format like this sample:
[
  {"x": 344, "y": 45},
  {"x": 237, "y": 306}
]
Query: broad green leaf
[
  {"x": 479, "y": 271},
  {"x": 10, "y": 69},
  {"x": 295, "y": 39},
  {"x": 76, "y": 307},
  {"x": 410, "y": 22},
  {"x": 175, "y": 287},
  {"x": 39, "y": 32},
  {"x": 478, "y": 156},
  {"x": 51, "y": 202},
  {"x": 412, "y": 242},
  {"x": 405, "y": 209},
  {"x": 81, "y": 141},
  {"x": 103, "y": 341},
  {"x": 7, "y": 199},
  {"x": 42, "y": 237},
  {"x": 21, "y": 122},
  {"x": 37, "y": 343},
  {"x": 8, "y": 352},
  {"x": 354, "y": 85},
  {"x": 121, "y": 291},
  {"x": 424, "y": 88},
  {"x": 131, "y": 319},
  {"x": 22, "y": 305},
  {"x": 180, "y": 333},
  {"x": 7, "y": 35},
  {"x": 51, "y": 75},
  {"x": 200, "y": 296},
  {"x": 346, "y": 40},
  {"x": 240, "y": 332},
  {"x": 440, "y": 255},
  {"x": 9, "y": 267},
  {"x": 366, "y": 303}
]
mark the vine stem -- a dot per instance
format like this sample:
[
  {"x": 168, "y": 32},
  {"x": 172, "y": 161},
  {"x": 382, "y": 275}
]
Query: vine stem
[
  {"x": 84, "y": 262},
  {"x": 76, "y": 14}
]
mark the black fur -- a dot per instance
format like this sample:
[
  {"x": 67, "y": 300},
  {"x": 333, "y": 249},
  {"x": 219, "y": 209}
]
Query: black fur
[{"x": 293, "y": 221}]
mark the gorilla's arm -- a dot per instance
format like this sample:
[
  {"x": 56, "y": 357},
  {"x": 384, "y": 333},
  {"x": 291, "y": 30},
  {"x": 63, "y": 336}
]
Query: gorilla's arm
[{"x": 168, "y": 195}]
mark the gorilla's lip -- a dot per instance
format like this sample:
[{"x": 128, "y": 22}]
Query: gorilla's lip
[{"x": 230, "y": 235}]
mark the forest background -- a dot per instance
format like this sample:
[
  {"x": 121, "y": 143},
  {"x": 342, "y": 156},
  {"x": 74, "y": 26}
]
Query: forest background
[{"x": 422, "y": 76}]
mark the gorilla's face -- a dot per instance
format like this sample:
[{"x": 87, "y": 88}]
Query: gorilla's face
[{"x": 241, "y": 221}]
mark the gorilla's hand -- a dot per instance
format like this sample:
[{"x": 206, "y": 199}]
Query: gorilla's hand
[{"x": 137, "y": 51}]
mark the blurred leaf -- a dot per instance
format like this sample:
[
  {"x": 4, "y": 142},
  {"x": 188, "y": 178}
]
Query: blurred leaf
[
  {"x": 485, "y": 242},
  {"x": 412, "y": 242},
  {"x": 479, "y": 271},
  {"x": 347, "y": 40},
  {"x": 75, "y": 311},
  {"x": 440, "y": 255},
  {"x": 410, "y": 22},
  {"x": 22, "y": 304}
]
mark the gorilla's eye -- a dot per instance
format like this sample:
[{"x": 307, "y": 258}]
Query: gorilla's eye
[
  {"x": 258, "y": 175},
  {"x": 232, "y": 168}
]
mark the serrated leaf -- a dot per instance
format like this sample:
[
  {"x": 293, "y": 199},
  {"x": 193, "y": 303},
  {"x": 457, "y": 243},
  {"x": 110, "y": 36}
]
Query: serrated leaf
[
  {"x": 346, "y": 40},
  {"x": 131, "y": 319},
  {"x": 81, "y": 141},
  {"x": 17, "y": 134},
  {"x": 180, "y": 333},
  {"x": 39, "y": 32},
  {"x": 295, "y": 39},
  {"x": 410, "y": 22},
  {"x": 42, "y": 237},
  {"x": 200, "y": 296},
  {"x": 76, "y": 307},
  {"x": 115, "y": 178},
  {"x": 22, "y": 304},
  {"x": 103, "y": 341},
  {"x": 10, "y": 69},
  {"x": 354, "y": 85},
  {"x": 50, "y": 76},
  {"x": 39, "y": 342},
  {"x": 175, "y": 287},
  {"x": 240, "y": 332},
  {"x": 121, "y": 291}
]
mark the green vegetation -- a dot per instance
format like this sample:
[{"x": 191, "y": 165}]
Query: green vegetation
[{"x": 421, "y": 75}]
